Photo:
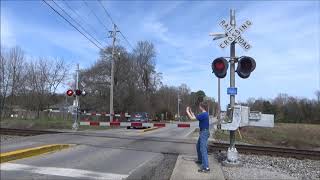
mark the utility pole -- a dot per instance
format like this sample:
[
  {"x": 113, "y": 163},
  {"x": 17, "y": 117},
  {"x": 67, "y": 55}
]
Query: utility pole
[{"x": 113, "y": 35}]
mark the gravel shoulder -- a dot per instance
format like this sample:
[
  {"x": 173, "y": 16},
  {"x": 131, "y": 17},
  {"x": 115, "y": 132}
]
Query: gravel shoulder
[{"x": 267, "y": 167}]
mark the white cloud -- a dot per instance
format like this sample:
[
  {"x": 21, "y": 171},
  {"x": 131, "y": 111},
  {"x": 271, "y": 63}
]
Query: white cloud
[{"x": 158, "y": 30}]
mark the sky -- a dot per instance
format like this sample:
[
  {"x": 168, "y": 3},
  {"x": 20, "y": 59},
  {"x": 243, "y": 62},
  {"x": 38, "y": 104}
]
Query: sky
[{"x": 284, "y": 36}]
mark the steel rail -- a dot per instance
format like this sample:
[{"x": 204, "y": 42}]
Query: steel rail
[{"x": 269, "y": 150}]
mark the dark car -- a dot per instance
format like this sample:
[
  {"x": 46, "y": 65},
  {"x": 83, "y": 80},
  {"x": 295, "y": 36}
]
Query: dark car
[{"x": 138, "y": 117}]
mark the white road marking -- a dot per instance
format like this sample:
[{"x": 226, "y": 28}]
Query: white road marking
[{"x": 65, "y": 172}]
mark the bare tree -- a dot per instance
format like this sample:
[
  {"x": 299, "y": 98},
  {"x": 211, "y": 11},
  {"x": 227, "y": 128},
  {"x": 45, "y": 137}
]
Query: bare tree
[
  {"x": 43, "y": 78},
  {"x": 4, "y": 81},
  {"x": 318, "y": 95},
  {"x": 16, "y": 57},
  {"x": 145, "y": 58},
  {"x": 12, "y": 75}
]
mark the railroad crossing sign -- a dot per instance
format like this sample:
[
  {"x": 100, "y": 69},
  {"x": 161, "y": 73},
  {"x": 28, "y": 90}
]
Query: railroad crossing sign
[{"x": 234, "y": 34}]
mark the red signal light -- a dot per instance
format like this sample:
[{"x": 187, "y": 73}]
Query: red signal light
[
  {"x": 219, "y": 67},
  {"x": 69, "y": 92}
]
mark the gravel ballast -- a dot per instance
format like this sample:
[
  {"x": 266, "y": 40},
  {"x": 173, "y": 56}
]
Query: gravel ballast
[{"x": 267, "y": 167}]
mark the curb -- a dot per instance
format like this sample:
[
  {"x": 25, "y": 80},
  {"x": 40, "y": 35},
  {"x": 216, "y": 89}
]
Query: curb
[
  {"x": 149, "y": 129},
  {"x": 28, "y": 152},
  {"x": 186, "y": 168}
]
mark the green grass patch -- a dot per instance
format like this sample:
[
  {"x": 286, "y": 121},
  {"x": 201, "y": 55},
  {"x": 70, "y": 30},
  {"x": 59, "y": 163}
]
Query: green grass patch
[
  {"x": 283, "y": 134},
  {"x": 41, "y": 123},
  {"x": 81, "y": 128},
  {"x": 46, "y": 123}
]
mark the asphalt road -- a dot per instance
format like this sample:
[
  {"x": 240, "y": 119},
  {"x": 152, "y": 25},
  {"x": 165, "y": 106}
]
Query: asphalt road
[{"x": 103, "y": 154}]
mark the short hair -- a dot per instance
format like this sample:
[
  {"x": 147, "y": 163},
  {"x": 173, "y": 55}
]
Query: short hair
[{"x": 204, "y": 105}]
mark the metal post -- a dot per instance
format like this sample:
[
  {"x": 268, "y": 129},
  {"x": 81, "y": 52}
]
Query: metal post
[
  {"x": 232, "y": 155},
  {"x": 64, "y": 108},
  {"x": 77, "y": 104},
  {"x": 178, "y": 107},
  {"x": 77, "y": 87},
  {"x": 113, "y": 35},
  {"x": 219, "y": 106}
]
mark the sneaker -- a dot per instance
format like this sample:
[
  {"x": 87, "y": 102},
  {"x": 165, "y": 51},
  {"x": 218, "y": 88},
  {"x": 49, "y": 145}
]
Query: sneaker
[
  {"x": 198, "y": 162},
  {"x": 204, "y": 170}
]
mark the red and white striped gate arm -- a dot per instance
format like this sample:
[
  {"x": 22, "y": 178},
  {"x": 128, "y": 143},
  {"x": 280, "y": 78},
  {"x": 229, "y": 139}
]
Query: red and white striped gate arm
[{"x": 133, "y": 124}]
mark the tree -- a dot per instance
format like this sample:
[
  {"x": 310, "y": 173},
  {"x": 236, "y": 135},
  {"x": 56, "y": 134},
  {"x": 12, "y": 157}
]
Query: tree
[
  {"x": 43, "y": 78},
  {"x": 11, "y": 76},
  {"x": 318, "y": 95},
  {"x": 4, "y": 82},
  {"x": 200, "y": 96},
  {"x": 145, "y": 55},
  {"x": 288, "y": 109}
]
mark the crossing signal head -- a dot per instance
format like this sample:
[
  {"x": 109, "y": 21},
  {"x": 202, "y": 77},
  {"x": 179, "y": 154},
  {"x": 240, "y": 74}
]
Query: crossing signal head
[
  {"x": 69, "y": 92},
  {"x": 220, "y": 67},
  {"x": 245, "y": 66},
  {"x": 83, "y": 93},
  {"x": 78, "y": 92}
]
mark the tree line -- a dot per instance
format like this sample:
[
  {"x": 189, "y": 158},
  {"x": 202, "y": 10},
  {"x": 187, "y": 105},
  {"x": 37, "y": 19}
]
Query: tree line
[
  {"x": 137, "y": 84},
  {"x": 31, "y": 84},
  {"x": 288, "y": 108}
]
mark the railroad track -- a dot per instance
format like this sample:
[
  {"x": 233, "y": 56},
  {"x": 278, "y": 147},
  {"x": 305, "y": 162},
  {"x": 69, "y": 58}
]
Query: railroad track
[
  {"x": 268, "y": 150},
  {"x": 25, "y": 132}
]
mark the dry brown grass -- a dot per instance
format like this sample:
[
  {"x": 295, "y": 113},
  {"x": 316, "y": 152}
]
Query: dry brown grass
[{"x": 302, "y": 136}]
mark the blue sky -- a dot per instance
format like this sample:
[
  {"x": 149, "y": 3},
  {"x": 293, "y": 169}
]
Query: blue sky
[{"x": 284, "y": 36}]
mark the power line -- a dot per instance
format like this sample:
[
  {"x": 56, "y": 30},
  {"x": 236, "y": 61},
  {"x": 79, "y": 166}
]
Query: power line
[
  {"x": 81, "y": 19},
  {"x": 112, "y": 21},
  {"x": 76, "y": 22},
  {"x": 105, "y": 10},
  {"x": 72, "y": 24},
  {"x": 125, "y": 38},
  {"x": 94, "y": 14}
]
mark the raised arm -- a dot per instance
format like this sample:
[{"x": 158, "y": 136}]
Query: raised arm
[{"x": 190, "y": 114}]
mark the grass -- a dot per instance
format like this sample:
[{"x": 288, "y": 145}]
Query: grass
[
  {"x": 96, "y": 127},
  {"x": 45, "y": 123},
  {"x": 303, "y": 136},
  {"x": 42, "y": 123}
]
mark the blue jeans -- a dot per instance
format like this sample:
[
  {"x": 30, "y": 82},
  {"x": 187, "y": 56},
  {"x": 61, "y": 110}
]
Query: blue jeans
[{"x": 202, "y": 148}]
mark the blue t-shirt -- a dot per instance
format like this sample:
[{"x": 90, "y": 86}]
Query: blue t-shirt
[{"x": 203, "y": 119}]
